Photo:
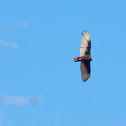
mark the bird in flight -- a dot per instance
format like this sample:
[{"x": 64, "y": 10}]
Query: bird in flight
[{"x": 85, "y": 56}]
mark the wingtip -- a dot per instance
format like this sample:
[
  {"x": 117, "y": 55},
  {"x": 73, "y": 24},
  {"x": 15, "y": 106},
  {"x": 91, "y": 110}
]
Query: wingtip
[
  {"x": 86, "y": 34},
  {"x": 84, "y": 80}
]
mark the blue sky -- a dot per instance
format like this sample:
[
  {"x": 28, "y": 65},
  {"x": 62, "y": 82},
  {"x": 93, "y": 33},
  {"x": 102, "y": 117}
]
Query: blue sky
[{"x": 38, "y": 41}]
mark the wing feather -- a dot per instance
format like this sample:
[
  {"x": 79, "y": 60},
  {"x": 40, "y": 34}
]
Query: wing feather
[
  {"x": 85, "y": 70},
  {"x": 85, "y": 44}
]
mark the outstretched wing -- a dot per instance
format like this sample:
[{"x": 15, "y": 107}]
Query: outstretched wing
[
  {"x": 85, "y": 44},
  {"x": 85, "y": 70}
]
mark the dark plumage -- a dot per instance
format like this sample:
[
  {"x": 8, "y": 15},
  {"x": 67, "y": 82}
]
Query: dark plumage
[{"x": 85, "y": 56}]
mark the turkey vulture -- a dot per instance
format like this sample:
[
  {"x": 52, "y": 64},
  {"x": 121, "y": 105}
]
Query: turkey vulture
[{"x": 85, "y": 56}]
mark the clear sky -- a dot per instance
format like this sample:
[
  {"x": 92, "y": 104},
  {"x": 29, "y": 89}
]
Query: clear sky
[{"x": 38, "y": 41}]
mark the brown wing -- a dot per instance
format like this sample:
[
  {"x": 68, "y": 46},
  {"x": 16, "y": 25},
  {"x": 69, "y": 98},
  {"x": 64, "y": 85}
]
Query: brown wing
[
  {"x": 85, "y": 70},
  {"x": 85, "y": 44}
]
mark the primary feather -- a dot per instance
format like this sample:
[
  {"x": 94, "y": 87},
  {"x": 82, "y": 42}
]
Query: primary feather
[
  {"x": 85, "y": 44},
  {"x": 85, "y": 70}
]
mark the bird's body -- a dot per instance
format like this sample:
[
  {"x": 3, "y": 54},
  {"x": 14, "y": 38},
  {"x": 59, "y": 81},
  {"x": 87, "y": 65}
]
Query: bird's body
[{"x": 85, "y": 56}]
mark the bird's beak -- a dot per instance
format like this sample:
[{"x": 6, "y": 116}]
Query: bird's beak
[{"x": 92, "y": 59}]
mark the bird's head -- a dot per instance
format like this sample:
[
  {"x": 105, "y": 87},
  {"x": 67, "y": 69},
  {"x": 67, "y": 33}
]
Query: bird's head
[
  {"x": 92, "y": 59},
  {"x": 77, "y": 59}
]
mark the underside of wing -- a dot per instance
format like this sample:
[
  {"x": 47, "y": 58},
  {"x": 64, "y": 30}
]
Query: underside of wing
[
  {"x": 85, "y": 44},
  {"x": 85, "y": 70}
]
